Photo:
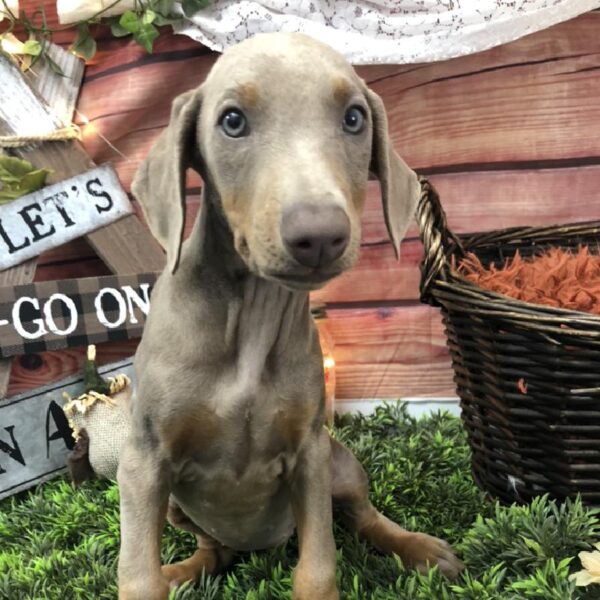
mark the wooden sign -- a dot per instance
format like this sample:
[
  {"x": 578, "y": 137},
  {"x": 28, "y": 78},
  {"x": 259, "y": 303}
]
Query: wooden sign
[
  {"x": 125, "y": 246},
  {"x": 73, "y": 312},
  {"x": 35, "y": 436},
  {"x": 61, "y": 94},
  {"x": 60, "y": 213}
]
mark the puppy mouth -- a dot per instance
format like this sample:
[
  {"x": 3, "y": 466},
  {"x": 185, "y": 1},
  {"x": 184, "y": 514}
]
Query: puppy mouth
[{"x": 310, "y": 281}]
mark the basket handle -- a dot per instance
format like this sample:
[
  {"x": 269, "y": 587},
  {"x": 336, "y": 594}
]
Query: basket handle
[{"x": 437, "y": 239}]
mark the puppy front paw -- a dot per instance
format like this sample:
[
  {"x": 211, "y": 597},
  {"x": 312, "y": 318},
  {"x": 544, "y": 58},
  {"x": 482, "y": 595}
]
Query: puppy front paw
[{"x": 421, "y": 551}]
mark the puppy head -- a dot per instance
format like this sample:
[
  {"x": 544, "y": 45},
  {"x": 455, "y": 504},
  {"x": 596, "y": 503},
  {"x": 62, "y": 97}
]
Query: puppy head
[{"x": 284, "y": 132}]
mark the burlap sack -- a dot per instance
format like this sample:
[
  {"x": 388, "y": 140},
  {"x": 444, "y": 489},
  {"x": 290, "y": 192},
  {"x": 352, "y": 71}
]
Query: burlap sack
[{"x": 106, "y": 421}]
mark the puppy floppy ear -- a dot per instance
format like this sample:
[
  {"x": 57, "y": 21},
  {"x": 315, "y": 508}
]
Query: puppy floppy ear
[
  {"x": 400, "y": 188},
  {"x": 159, "y": 184}
]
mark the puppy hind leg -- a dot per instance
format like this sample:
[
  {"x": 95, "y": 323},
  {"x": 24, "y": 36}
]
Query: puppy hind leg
[
  {"x": 211, "y": 560},
  {"x": 210, "y": 557},
  {"x": 351, "y": 496}
]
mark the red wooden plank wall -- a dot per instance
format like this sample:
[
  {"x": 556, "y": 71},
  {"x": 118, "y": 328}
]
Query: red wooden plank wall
[{"x": 510, "y": 136}]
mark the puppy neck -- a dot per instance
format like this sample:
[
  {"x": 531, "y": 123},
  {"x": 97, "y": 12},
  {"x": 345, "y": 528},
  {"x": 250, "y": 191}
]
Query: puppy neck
[
  {"x": 259, "y": 318},
  {"x": 265, "y": 323},
  {"x": 210, "y": 245}
]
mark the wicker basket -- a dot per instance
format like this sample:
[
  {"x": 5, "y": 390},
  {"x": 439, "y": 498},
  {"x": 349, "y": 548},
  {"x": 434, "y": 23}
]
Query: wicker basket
[{"x": 523, "y": 444}]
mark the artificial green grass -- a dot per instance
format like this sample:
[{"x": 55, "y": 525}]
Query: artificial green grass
[{"x": 60, "y": 543}]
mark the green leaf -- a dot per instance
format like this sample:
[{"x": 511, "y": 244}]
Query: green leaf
[
  {"x": 117, "y": 29},
  {"x": 146, "y": 36},
  {"x": 34, "y": 181},
  {"x": 32, "y": 47},
  {"x": 130, "y": 21},
  {"x": 160, "y": 20},
  {"x": 191, "y": 7},
  {"x": 8, "y": 194},
  {"x": 148, "y": 17},
  {"x": 19, "y": 177},
  {"x": 13, "y": 167},
  {"x": 163, "y": 7},
  {"x": 84, "y": 45}
]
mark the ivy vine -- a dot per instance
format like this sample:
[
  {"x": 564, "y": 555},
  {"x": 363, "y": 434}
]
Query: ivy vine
[{"x": 141, "y": 23}]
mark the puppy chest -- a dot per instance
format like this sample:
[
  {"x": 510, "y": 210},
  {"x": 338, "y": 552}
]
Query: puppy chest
[
  {"x": 251, "y": 443},
  {"x": 230, "y": 418}
]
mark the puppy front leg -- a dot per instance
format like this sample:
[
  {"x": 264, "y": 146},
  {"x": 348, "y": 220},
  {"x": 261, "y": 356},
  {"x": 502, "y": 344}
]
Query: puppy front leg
[
  {"x": 314, "y": 576},
  {"x": 144, "y": 497}
]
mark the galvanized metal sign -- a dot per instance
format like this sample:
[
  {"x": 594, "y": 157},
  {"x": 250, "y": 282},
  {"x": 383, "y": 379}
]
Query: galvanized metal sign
[
  {"x": 73, "y": 312},
  {"x": 60, "y": 213},
  {"x": 35, "y": 436}
]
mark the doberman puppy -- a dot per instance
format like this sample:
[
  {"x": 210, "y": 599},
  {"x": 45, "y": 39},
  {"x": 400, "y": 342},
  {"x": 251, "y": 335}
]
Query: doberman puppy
[{"x": 227, "y": 426}]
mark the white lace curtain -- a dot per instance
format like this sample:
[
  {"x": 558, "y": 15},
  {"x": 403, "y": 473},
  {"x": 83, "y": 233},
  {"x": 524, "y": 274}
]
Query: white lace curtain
[
  {"x": 366, "y": 31},
  {"x": 385, "y": 31}
]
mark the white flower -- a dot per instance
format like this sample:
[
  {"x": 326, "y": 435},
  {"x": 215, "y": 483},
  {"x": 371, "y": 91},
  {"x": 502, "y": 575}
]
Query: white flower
[
  {"x": 70, "y": 11},
  {"x": 13, "y": 6},
  {"x": 10, "y": 44},
  {"x": 591, "y": 568}
]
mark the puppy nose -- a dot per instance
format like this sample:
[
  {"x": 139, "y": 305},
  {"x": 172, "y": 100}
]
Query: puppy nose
[{"x": 315, "y": 235}]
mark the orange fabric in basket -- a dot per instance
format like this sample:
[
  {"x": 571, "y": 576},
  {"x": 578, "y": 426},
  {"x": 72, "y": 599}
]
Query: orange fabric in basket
[{"x": 559, "y": 278}]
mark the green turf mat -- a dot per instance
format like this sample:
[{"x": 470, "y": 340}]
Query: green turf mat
[{"x": 60, "y": 543}]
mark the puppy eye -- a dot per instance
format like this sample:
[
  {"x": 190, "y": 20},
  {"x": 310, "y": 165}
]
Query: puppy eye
[
  {"x": 233, "y": 123},
  {"x": 354, "y": 120}
]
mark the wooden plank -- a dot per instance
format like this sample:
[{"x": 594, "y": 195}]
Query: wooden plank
[
  {"x": 119, "y": 55},
  {"x": 61, "y": 92},
  {"x": 136, "y": 117},
  {"x": 34, "y": 370},
  {"x": 531, "y": 100},
  {"x": 487, "y": 200},
  {"x": 390, "y": 352},
  {"x": 75, "y": 250},
  {"x": 127, "y": 247},
  {"x": 62, "y": 36},
  {"x": 377, "y": 276},
  {"x": 400, "y": 334},
  {"x": 88, "y": 267},
  {"x": 430, "y": 379}
]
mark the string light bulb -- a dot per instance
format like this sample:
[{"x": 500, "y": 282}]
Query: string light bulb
[
  {"x": 328, "y": 362},
  {"x": 89, "y": 128}
]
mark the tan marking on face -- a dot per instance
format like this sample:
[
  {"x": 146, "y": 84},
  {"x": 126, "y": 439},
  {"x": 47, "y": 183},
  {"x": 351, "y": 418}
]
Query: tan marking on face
[
  {"x": 342, "y": 90},
  {"x": 249, "y": 95}
]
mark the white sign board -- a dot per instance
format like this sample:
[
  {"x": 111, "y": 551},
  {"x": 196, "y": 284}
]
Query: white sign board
[
  {"x": 60, "y": 213},
  {"x": 35, "y": 437}
]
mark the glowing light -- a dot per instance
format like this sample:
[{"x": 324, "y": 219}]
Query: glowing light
[
  {"x": 91, "y": 129},
  {"x": 87, "y": 127},
  {"x": 328, "y": 362}
]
